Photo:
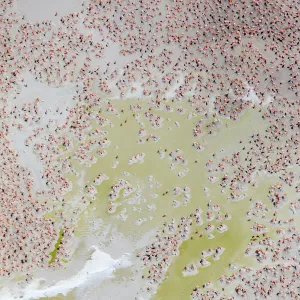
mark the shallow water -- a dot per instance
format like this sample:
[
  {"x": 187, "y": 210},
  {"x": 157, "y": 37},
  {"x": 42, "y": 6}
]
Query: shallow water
[
  {"x": 125, "y": 138},
  {"x": 154, "y": 211}
]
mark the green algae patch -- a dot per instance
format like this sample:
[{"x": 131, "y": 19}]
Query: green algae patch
[
  {"x": 64, "y": 260},
  {"x": 56, "y": 247},
  {"x": 51, "y": 214}
]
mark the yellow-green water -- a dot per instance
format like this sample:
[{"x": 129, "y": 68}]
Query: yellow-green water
[{"x": 175, "y": 286}]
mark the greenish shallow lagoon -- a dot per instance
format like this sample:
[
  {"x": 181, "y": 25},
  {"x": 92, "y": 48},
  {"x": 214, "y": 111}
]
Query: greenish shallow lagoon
[{"x": 124, "y": 145}]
